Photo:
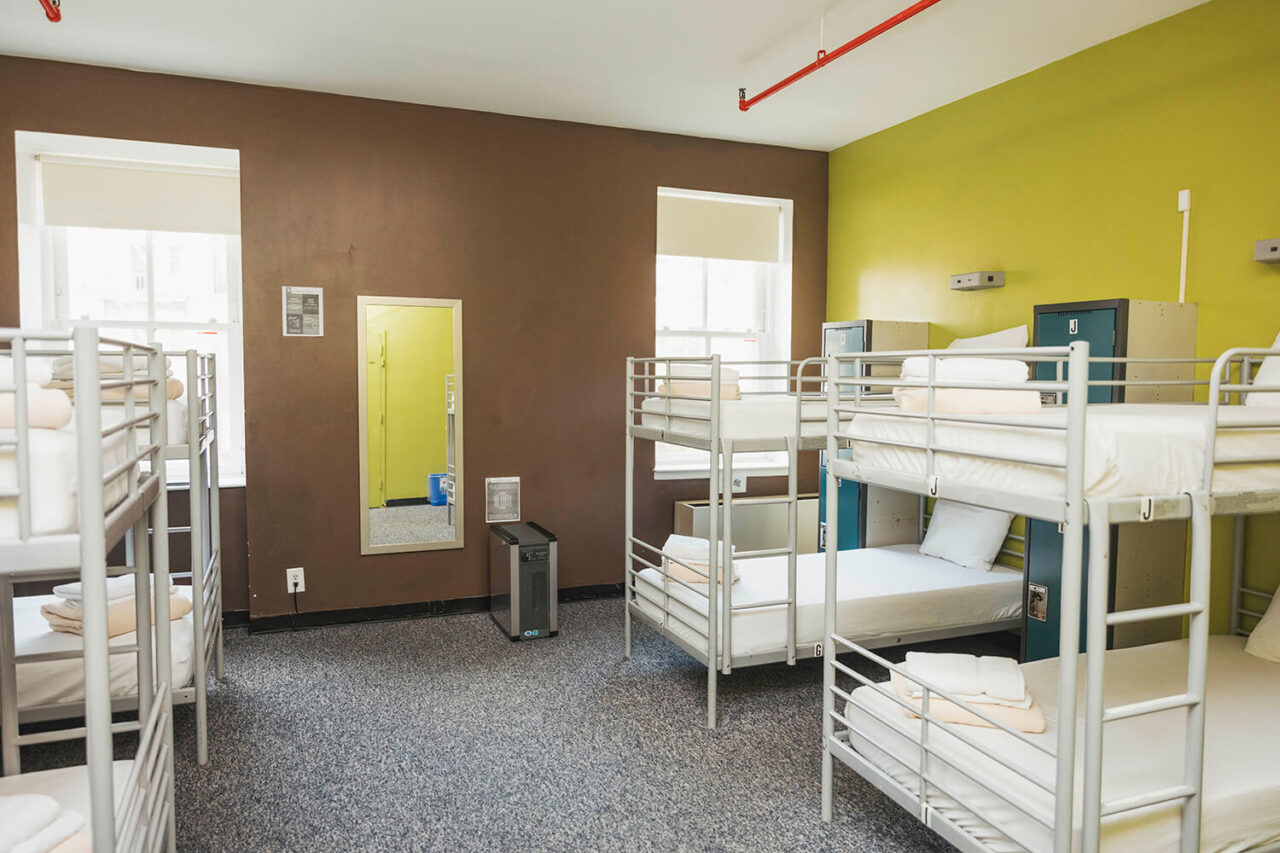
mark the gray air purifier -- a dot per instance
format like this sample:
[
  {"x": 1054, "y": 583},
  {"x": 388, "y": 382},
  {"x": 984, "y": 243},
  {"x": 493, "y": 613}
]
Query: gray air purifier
[{"x": 522, "y": 580}]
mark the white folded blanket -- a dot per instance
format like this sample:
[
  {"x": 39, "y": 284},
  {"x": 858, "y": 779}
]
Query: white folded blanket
[
  {"x": 108, "y": 365},
  {"x": 695, "y": 553},
  {"x": 117, "y": 588},
  {"x": 990, "y": 680},
  {"x": 65, "y": 825},
  {"x": 967, "y": 369},
  {"x": 22, "y": 816}
]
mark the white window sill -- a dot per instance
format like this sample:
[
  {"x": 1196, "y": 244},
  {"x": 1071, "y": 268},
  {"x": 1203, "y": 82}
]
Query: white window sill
[{"x": 701, "y": 473}]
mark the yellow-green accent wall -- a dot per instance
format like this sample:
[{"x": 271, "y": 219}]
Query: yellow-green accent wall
[
  {"x": 418, "y": 354},
  {"x": 1067, "y": 179}
]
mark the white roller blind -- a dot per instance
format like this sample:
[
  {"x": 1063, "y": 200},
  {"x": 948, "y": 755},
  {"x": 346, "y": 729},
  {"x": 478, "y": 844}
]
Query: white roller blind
[
  {"x": 145, "y": 199},
  {"x": 703, "y": 228}
]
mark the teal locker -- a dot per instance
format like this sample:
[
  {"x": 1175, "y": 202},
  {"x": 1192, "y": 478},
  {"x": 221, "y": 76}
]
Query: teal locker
[{"x": 1147, "y": 560}]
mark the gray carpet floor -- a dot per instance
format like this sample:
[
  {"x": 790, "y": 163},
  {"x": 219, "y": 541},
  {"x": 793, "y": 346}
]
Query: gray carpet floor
[
  {"x": 440, "y": 734},
  {"x": 397, "y": 525}
]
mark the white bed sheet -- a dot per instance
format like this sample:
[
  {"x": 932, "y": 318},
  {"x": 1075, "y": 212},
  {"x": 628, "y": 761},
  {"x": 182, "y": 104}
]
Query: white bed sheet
[
  {"x": 54, "y": 479},
  {"x": 1241, "y": 786},
  {"x": 52, "y": 682},
  {"x": 755, "y": 417},
  {"x": 882, "y": 592},
  {"x": 1132, "y": 449},
  {"x": 69, "y": 786}
]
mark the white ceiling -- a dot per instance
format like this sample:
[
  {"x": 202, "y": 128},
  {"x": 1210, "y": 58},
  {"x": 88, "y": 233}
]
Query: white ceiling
[{"x": 666, "y": 65}]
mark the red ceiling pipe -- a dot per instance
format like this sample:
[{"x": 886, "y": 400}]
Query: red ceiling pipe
[
  {"x": 51, "y": 10},
  {"x": 745, "y": 103}
]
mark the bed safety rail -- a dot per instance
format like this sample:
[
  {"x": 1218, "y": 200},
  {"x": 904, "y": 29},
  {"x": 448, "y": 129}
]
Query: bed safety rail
[{"x": 927, "y": 449}]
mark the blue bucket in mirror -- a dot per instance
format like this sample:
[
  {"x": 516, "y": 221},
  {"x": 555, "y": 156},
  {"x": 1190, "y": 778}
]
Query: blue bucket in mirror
[{"x": 435, "y": 489}]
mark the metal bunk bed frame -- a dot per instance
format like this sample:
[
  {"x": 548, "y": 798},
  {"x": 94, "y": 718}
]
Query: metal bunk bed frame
[
  {"x": 200, "y": 450},
  {"x": 142, "y": 816},
  {"x": 1072, "y": 510},
  {"x": 450, "y": 458}
]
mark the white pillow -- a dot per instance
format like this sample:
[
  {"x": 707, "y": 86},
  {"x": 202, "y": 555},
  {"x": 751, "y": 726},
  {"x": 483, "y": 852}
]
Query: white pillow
[
  {"x": 1015, "y": 338},
  {"x": 1264, "y": 642},
  {"x": 1268, "y": 374},
  {"x": 38, "y": 371},
  {"x": 969, "y": 536}
]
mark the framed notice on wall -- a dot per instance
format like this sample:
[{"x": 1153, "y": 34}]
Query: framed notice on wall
[{"x": 303, "y": 309}]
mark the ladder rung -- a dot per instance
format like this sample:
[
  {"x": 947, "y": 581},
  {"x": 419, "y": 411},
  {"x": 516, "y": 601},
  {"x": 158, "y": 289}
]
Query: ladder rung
[
  {"x": 755, "y": 605},
  {"x": 1164, "y": 795},
  {"x": 761, "y": 501},
  {"x": 1151, "y": 706},
  {"x": 766, "y": 552},
  {"x": 1147, "y": 614}
]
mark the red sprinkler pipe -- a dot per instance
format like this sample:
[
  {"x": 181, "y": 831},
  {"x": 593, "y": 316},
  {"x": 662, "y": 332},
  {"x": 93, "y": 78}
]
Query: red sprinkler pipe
[
  {"x": 51, "y": 10},
  {"x": 745, "y": 103}
]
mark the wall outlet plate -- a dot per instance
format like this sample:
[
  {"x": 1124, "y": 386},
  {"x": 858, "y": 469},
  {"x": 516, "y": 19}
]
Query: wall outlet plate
[
  {"x": 292, "y": 576},
  {"x": 1267, "y": 251},
  {"x": 984, "y": 280}
]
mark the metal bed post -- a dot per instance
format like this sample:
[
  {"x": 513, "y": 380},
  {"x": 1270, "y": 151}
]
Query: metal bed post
[
  {"x": 726, "y": 586},
  {"x": 215, "y": 507},
  {"x": 1095, "y": 668},
  {"x": 1238, "y": 537},
  {"x": 142, "y": 594},
  {"x": 10, "y": 752},
  {"x": 829, "y": 603},
  {"x": 195, "y": 501},
  {"x": 793, "y": 524},
  {"x": 93, "y": 588},
  {"x": 628, "y": 514},
  {"x": 713, "y": 533},
  {"x": 1069, "y": 602},
  {"x": 159, "y": 513},
  {"x": 1197, "y": 664}
]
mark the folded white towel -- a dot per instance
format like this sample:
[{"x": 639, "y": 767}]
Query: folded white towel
[
  {"x": 993, "y": 680},
  {"x": 117, "y": 588},
  {"x": 23, "y": 816},
  {"x": 108, "y": 365},
  {"x": 690, "y": 549},
  {"x": 968, "y": 369},
  {"x": 702, "y": 370},
  {"x": 66, "y": 824}
]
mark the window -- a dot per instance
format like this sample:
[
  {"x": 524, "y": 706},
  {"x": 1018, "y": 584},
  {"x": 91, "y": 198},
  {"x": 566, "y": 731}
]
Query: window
[
  {"x": 141, "y": 240},
  {"x": 723, "y": 287}
]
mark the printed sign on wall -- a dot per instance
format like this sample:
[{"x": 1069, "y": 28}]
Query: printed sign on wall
[{"x": 303, "y": 311}]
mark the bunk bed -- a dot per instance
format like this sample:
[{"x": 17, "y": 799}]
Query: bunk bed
[
  {"x": 773, "y": 611},
  {"x": 45, "y": 665},
  {"x": 986, "y": 785},
  {"x": 119, "y": 489}
]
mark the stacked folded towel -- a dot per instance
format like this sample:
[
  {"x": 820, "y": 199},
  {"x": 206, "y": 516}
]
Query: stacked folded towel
[
  {"x": 694, "y": 380},
  {"x": 694, "y": 553},
  {"x": 993, "y": 685},
  {"x": 67, "y": 616},
  {"x": 35, "y": 823},
  {"x": 992, "y": 371},
  {"x": 112, "y": 367}
]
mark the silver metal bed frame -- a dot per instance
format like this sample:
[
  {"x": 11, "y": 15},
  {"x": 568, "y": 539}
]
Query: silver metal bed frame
[
  {"x": 141, "y": 817},
  {"x": 847, "y": 398},
  {"x": 199, "y": 449},
  {"x": 804, "y": 381}
]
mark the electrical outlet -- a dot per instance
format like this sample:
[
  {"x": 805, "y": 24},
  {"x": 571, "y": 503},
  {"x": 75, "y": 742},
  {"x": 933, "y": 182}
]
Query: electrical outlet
[{"x": 295, "y": 580}]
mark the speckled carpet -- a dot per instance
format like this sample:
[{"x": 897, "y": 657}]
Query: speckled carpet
[{"x": 440, "y": 734}]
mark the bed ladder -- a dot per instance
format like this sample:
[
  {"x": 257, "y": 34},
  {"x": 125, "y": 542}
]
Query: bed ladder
[
  {"x": 1196, "y": 611},
  {"x": 791, "y": 500}
]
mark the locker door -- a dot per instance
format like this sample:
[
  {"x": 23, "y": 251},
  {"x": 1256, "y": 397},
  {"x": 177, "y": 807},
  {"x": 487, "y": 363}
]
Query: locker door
[
  {"x": 1097, "y": 326},
  {"x": 835, "y": 341},
  {"x": 1044, "y": 568}
]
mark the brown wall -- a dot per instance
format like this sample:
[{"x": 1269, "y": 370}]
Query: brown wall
[{"x": 545, "y": 230}]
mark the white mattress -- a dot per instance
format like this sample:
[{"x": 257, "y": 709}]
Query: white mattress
[
  {"x": 754, "y": 417},
  {"x": 1241, "y": 808},
  {"x": 53, "y": 682},
  {"x": 54, "y": 479},
  {"x": 69, "y": 786},
  {"x": 883, "y": 593},
  {"x": 1132, "y": 449}
]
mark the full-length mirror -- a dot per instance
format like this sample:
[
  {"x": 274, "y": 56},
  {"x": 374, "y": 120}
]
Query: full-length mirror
[{"x": 410, "y": 369}]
